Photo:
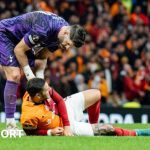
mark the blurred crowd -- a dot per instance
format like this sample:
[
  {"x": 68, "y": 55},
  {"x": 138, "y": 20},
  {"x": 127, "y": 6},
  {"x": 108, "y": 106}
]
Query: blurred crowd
[{"x": 116, "y": 55}]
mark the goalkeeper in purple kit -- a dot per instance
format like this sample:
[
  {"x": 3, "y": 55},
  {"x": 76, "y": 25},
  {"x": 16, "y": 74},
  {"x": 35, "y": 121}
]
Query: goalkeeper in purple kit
[{"x": 26, "y": 41}]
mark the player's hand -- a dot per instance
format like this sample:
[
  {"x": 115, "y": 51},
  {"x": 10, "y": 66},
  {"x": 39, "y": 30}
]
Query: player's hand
[
  {"x": 58, "y": 131},
  {"x": 67, "y": 131}
]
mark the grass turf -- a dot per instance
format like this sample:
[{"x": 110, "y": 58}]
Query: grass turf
[{"x": 78, "y": 143}]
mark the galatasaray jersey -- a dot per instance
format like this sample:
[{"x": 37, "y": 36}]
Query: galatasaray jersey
[{"x": 38, "y": 116}]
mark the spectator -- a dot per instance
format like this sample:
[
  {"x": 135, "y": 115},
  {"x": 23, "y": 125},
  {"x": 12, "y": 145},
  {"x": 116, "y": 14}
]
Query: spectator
[{"x": 116, "y": 54}]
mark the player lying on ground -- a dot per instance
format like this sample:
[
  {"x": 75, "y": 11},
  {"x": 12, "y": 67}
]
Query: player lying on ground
[
  {"x": 43, "y": 112},
  {"x": 42, "y": 116},
  {"x": 26, "y": 41}
]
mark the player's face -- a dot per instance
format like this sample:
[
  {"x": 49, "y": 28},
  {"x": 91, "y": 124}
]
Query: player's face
[
  {"x": 43, "y": 95},
  {"x": 45, "y": 91},
  {"x": 65, "y": 41}
]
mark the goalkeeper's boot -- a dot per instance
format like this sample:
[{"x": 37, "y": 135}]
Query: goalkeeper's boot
[{"x": 13, "y": 129}]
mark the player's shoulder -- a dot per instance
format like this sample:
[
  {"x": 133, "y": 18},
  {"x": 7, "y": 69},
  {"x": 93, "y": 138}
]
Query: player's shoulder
[
  {"x": 50, "y": 16},
  {"x": 44, "y": 13}
]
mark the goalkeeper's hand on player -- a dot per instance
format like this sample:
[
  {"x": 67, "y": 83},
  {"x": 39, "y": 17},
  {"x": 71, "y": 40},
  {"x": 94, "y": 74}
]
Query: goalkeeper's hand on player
[{"x": 67, "y": 131}]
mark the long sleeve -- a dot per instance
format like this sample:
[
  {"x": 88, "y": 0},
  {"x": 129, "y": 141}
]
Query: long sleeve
[
  {"x": 61, "y": 106},
  {"x": 36, "y": 132}
]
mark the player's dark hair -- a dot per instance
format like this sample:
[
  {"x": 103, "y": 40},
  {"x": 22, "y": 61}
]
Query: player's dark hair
[
  {"x": 34, "y": 86},
  {"x": 77, "y": 35}
]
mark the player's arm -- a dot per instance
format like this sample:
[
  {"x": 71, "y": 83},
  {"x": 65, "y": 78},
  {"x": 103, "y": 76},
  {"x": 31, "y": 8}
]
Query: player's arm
[
  {"x": 31, "y": 40},
  {"x": 62, "y": 111},
  {"x": 20, "y": 52},
  {"x": 58, "y": 131},
  {"x": 41, "y": 62}
]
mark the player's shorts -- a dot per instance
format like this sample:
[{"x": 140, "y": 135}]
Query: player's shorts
[
  {"x": 7, "y": 56},
  {"x": 75, "y": 106}
]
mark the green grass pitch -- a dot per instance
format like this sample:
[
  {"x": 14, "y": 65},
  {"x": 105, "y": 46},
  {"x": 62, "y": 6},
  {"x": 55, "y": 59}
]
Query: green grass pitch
[{"x": 78, "y": 143}]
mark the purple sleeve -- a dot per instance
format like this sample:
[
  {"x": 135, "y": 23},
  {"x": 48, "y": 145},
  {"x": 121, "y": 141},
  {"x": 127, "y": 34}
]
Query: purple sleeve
[
  {"x": 34, "y": 37},
  {"x": 27, "y": 41}
]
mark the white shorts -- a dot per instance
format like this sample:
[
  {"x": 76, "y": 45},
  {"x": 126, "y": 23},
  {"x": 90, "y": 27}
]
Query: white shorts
[{"x": 75, "y": 105}]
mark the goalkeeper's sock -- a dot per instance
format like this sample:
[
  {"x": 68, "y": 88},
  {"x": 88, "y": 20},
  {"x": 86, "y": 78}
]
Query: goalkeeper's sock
[
  {"x": 142, "y": 132},
  {"x": 10, "y": 98},
  {"x": 124, "y": 132},
  {"x": 93, "y": 112}
]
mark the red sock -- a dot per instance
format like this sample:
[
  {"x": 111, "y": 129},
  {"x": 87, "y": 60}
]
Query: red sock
[
  {"x": 93, "y": 112},
  {"x": 124, "y": 132}
]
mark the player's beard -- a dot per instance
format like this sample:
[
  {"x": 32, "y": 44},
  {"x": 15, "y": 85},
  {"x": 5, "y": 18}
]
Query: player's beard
[{"x": 62, "y": 47}]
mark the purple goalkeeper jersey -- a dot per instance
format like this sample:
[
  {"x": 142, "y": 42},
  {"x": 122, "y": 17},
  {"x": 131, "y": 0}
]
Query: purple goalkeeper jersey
[{"x": 39, "y": 29}]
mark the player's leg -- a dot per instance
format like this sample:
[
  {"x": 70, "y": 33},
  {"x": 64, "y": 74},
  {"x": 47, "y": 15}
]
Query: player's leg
[
  {"x": 83, "y": 100},
  {"x": 82, "y": 129},
  {"x": 86, "y": 129},
  {"x": 105, "y": 130},
  {"x": 10, "y": 91},
  {"x": 77, "y": 103},
  {"x": 124, "y": 132},
  {"x": 10, "y": 67},
  {"x": 142, "y": 132},
  {"x": 92, "y": 104},
  {"x": 136, "y": 132},
  {"x": 91, "y": 97},
  {"x": 109, "y": 130}
]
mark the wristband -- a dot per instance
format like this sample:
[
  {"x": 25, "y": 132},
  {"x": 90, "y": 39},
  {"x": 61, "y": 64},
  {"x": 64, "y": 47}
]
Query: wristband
[
  {"x": 40, "y": 73},
  {"x": 28, "y": 72}
]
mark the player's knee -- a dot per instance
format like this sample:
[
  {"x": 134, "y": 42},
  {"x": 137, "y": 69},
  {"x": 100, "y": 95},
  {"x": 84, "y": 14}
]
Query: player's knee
[{"x": 97, "y": 94}]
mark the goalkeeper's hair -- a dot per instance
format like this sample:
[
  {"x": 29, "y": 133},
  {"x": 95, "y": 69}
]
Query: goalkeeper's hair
[
  {"x": 34, "y": 86},
  {"x": 77, "y": 35}
]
